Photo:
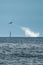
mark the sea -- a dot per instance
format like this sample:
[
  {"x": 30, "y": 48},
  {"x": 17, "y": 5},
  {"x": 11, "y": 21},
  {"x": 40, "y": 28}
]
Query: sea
[{"x": 21, "y": 51}]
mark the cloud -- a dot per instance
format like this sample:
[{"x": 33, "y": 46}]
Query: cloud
[{"x": 29, "y": 33}]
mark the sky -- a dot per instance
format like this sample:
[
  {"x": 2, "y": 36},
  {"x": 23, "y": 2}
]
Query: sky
[{"x": 26, "y": 15}]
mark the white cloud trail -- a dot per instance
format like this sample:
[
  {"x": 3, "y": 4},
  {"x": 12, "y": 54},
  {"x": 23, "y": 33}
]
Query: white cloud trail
[{"x": 29, "y": 33}]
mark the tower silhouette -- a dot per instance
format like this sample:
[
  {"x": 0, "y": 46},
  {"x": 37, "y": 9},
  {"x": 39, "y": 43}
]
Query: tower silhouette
[{"x": 10, "y": 34}]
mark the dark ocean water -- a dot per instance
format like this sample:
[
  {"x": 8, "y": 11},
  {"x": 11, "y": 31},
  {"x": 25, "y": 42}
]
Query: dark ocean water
[{"x": 21, "y": 51}]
